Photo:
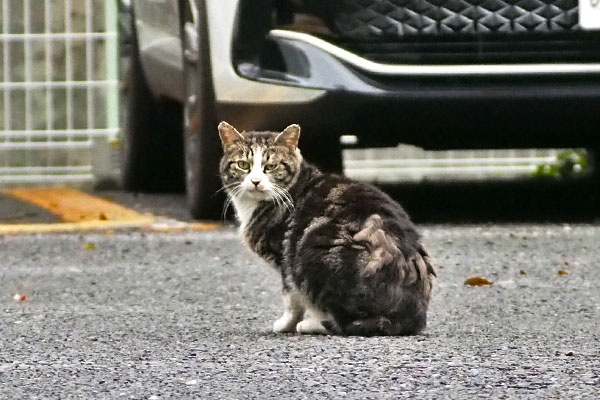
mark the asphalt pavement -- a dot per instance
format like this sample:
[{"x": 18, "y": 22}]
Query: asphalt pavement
[
  {"x": 13, "y": 211},
  {"x": 148, "y": 315}
]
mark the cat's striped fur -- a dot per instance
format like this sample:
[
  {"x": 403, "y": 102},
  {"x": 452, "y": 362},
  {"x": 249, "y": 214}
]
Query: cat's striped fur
[{"x": 350, "y": 259}]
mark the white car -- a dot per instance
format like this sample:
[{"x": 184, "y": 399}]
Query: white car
[{"x": 440, "y": 74}]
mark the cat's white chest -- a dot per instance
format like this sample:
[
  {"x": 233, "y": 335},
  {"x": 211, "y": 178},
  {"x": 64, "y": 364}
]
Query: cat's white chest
[{"x": 244, "y": 207}]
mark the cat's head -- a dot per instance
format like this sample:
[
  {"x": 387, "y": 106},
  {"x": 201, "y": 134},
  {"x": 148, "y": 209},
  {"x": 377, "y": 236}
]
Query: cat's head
[{"x": 260, "y": 165}]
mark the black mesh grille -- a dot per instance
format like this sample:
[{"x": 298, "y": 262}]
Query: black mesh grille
[
  {"x": 459, "y": 31},
  {"x": 398, "y": 18}
]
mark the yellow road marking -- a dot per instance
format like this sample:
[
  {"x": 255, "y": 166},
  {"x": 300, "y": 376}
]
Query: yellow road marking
[
  {"x": 83, "y": 212},
  {"x": 69, "y": 227},
  {"x": 109, "y": 226},
  {"x": 74, "y": 206},
  {"x": 159, "y": 226}
]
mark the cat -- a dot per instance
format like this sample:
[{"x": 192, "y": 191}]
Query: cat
[{"x": 350, "y": 259}]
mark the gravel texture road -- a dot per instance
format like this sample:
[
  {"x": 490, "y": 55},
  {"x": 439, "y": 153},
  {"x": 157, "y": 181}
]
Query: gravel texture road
[{"x": 149, "y": 315}]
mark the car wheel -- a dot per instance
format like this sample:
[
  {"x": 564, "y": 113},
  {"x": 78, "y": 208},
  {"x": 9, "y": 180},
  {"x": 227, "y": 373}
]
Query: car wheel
[
  {"x": 200, "y": 137},
  {"x": 151, "y": 149}
]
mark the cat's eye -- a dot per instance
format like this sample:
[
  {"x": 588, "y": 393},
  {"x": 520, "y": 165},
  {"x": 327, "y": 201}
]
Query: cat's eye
[
  {"x": 244, "y": 165},
  {"x": 270, "y": 167}
]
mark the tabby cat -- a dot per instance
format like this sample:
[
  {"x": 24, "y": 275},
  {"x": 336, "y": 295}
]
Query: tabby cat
[{"x": 350, "y": 259}]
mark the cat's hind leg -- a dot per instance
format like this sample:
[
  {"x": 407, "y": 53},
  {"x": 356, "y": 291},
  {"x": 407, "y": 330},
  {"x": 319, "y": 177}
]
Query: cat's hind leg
[
  {"x": 312, "y": 324},
  {"x": 293, "y": 310}
]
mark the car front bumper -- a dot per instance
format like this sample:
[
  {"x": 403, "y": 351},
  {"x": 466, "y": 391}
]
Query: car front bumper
[{"x": 330, "y": 90}]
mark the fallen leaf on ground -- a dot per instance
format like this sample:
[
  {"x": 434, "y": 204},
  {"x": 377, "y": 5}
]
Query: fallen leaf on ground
[
  {"x": 478, "y": 281},
  {"x": 561, "y": 272},
  {"x": 522, "y": 272},
  {"x": 89, "y": 246}
]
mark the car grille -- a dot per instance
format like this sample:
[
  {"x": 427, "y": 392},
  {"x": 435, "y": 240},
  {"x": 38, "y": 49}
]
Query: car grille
[
  {"x": 555, "y": 48},
  {"x": 397, "y": 18},
  {"x": 460, "y": 31}
]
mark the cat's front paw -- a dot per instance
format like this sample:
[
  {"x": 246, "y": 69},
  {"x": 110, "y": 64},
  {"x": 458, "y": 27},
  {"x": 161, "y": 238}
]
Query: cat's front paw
[
  {"x": 287, "y": 323},
  {"x": 311, "y": 327}
]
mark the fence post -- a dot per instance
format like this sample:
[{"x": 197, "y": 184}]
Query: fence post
[
  {"x": 112, "y": 68},
  {"x": 102, "y": 167}
]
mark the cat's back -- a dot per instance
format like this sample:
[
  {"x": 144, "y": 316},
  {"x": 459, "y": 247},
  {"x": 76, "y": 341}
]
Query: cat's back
[
  {"x": 343, "y": 200},
  {"x": 335, "y": 213},
  {"x": 357, "y": 255}
]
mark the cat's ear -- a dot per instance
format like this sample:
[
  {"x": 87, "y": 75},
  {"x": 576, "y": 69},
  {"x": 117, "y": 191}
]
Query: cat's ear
[
  {"x": 228, "y": 134},
  {"x": 289, "y": 137}
]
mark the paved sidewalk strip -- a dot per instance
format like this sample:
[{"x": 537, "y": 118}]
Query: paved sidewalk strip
[
  {"x": 83, "y": 212},
  {"x": 74, "y": 206}
]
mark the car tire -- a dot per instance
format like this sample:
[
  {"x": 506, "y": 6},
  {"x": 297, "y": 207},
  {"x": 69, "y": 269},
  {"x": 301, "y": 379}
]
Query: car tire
[
  {"x": 201, "y": 141},
  {"x": 151, "y": 148}
]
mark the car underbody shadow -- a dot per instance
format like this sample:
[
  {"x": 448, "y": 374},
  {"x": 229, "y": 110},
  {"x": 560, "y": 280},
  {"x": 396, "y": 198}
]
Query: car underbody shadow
[{"x": 528, "y": 200}]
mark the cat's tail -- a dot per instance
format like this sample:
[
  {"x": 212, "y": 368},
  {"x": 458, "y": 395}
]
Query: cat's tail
[{"x": 377, "y": 326}]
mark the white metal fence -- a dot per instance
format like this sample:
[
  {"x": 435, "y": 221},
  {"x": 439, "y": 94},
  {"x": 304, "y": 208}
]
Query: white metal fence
[
  {"x": 58, "y": 90},
  {"x": 412, "y": 164}
]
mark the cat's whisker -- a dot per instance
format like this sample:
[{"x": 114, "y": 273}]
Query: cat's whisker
[
  {"x": 228, "y": 203},
  {"x": 225, "y": 208},
  {"x": 281, "y": 198},
  {"x": 284, "y": 197},
  {"x": 225, "y": 187},
  {"x": 236, "y": 190},
  {"x": 274, "y": 196},
  {"x": 285, "y": 193},
  {"x": 286, "y": 202},
  {"x": 230, "y": 194}
]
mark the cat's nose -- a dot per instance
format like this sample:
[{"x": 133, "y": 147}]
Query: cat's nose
[{"x": 255, "y": 181}]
